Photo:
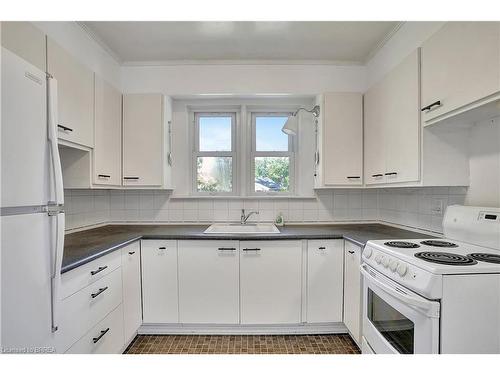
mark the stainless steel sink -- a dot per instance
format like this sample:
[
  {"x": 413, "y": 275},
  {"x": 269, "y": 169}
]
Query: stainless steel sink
[{"x": 242, "y": 229}]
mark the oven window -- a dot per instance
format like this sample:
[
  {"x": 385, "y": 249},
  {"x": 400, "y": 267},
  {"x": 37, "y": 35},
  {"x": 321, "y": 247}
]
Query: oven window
[{"x": 396, "y": 328}]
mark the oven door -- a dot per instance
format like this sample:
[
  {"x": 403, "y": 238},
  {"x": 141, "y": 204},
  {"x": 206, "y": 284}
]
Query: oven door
[{"x": 396, "y": 320}]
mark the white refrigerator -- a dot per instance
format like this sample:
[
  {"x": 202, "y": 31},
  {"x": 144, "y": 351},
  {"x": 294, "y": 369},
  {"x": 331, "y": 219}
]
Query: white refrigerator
[{"x": 32, "y": 216}]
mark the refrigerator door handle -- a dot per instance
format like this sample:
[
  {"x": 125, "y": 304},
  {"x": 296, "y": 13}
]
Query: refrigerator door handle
[
  {"x": 52, "y": 133},
  {"x": 56, "y": 277}
]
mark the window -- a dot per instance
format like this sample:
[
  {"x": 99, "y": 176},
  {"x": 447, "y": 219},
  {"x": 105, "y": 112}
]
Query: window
[
  {"x": 272, "y": 156},
  {"x": 214, "y": 153}
]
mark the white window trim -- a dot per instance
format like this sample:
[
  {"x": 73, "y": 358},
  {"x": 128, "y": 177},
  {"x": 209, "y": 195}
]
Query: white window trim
[
  {"x": 291, "y": 154},
  {"x": 197, "y": 153}
]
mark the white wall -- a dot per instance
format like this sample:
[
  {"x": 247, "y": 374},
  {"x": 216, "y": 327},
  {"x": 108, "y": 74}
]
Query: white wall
[
  {"x": 86, "y": 50},
  {"x": 243, "y": 79},
  {"x": 485, "y": 164}
]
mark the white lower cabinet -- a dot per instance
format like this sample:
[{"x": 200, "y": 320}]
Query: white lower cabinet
[
  {"x": 352, "y": 290},
  {"x": 270, "y": 274},
  {"x": 83, "y": 309},
  {"x": 159, "y": 281},
  {"x": 131, "y": 281},
  {"x": 106, "y": 337},
  {"x": 325, "y": 280},
  {"x": 209, "y": 282}
]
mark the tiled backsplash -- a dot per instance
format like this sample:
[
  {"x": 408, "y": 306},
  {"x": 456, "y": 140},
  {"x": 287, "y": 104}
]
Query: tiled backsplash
[{"x": 406, "y": 206}]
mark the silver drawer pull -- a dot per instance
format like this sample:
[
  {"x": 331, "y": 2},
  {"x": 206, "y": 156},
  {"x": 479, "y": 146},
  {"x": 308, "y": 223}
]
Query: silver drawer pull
[
  {"x": 104, "y": 176},
  {"x": 251, "y": 249},
  {"x": 321, "y": 248},
  {"x": 103, "y": 332},
  {"x": 131, "y": 252},
  {"x": 98, "y": 270},
  {"x": 94, "y": 295},
  {"x": 350, "y": 251},
  {"x": 226, "y": 249}
]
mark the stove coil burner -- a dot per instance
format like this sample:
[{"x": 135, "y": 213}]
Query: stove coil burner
[
  {"x": 485, "y": 257},
  {"x": 438, "y": 243},
  {"x": 402, "y": 244},
  {"x": 445, "y": 258}
]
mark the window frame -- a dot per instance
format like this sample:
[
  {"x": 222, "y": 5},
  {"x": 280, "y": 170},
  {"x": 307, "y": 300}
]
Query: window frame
[
  {"x": 291, "y": 154},
  {"x": 196, "y": 153}
]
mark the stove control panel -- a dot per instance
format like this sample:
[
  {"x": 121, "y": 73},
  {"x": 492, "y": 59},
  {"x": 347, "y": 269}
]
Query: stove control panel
[{"x": 402, "y": 272}]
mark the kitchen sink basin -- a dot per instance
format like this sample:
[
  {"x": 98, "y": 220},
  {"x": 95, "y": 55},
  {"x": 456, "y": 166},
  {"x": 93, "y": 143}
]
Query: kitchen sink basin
[{"x": 242, "y": 229}]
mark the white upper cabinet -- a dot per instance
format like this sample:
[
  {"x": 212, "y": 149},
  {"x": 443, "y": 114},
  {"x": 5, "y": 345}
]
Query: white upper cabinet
[
  {"x": 460, "y": 67},
  {"x": 26, "y": 41},
  {"x": 209, "y": 282},
  {"x": 75, "y": 88},
  {"x": 108, "y": 134},
  {"x": 392, "y": 126},
  {"x": 270, "y": 274},
  {"x": 325, "y": 280},
  {"x": 145, "y": 140},
  {"x": 341, "y": 139}
]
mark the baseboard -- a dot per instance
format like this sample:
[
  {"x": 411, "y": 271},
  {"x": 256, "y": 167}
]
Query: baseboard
[{"x": 237, "y": 329}]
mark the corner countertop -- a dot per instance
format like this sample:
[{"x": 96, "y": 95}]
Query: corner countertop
[{"x": 85, "y": 246}]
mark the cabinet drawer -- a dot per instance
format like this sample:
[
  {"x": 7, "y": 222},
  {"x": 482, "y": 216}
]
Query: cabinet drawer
[
  {"x": 106, "y": 337},
  {"x": 84, "y": 309},
  {"x": 74, "y": 280}
]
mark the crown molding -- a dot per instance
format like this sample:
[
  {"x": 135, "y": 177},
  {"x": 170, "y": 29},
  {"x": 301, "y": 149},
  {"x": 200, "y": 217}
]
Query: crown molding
[
  {"x": 383, "y": 42},
  {"x": 241, "y": 62},
  {"x": 96, "y": 38}
]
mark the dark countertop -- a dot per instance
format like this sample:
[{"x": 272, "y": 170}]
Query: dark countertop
[{"x": 85, "y": 246}]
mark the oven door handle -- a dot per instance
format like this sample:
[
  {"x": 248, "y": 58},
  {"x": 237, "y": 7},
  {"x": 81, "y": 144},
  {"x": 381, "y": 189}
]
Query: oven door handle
[{"x": 422, "y": 304}]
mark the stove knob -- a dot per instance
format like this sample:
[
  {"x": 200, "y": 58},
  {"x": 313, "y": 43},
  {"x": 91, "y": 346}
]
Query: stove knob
[
  {"x": 402, "y": 269},
  {"x": 393, "y": 265},
  {"x": 368, "y": 252},
  {"x": 378, "y": 258},
  {"x": 385, "y": 262}
]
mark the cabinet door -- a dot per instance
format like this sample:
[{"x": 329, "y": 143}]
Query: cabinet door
[
  {"x": 271, "y": 282},
  {"x": 143, "y": 140},
  {"x": 209, "y": 282},
  {"x": 75, "y": 96},
  {"x": 26, "y": 41},
  {"x": 108, "y": 134},
  {"x": 159, "y": 281},
  {"x": 352, "y": 290},
  {"x": 374, "y": 135},
  {"x": 460, "y": 65},
  {"x": 325, "y": 277},
  {"x": 131, "y": 276},
  {"x": 402, "y": 121},
  {"x": 342, "y": 139}
]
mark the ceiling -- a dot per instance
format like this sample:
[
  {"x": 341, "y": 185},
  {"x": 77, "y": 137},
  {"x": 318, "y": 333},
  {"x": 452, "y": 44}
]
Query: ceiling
[{"x": 205, "y": 42}]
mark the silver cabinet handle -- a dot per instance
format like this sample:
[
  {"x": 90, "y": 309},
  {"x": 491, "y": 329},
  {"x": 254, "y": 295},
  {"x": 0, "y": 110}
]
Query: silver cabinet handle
[
  {"x": 103, "y": 332},
  {"x": 226, "y": 249},
  {"x": 432, "y": 106},
  {"x": 251, "y": 249},
  {"x": 64, "y": 128},
  {"x": 94, "y": 295},
  {"x": 104, "y": 176},
  {"x": 98, "y": 270},
  {"x": 131, "y": 252},
  {"x": 131, "y": 178},
  {"x": 350, "y": 251}
]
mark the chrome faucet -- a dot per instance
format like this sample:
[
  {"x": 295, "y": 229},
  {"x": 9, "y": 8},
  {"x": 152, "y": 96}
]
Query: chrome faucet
[{"x": 244, "y": 218}]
